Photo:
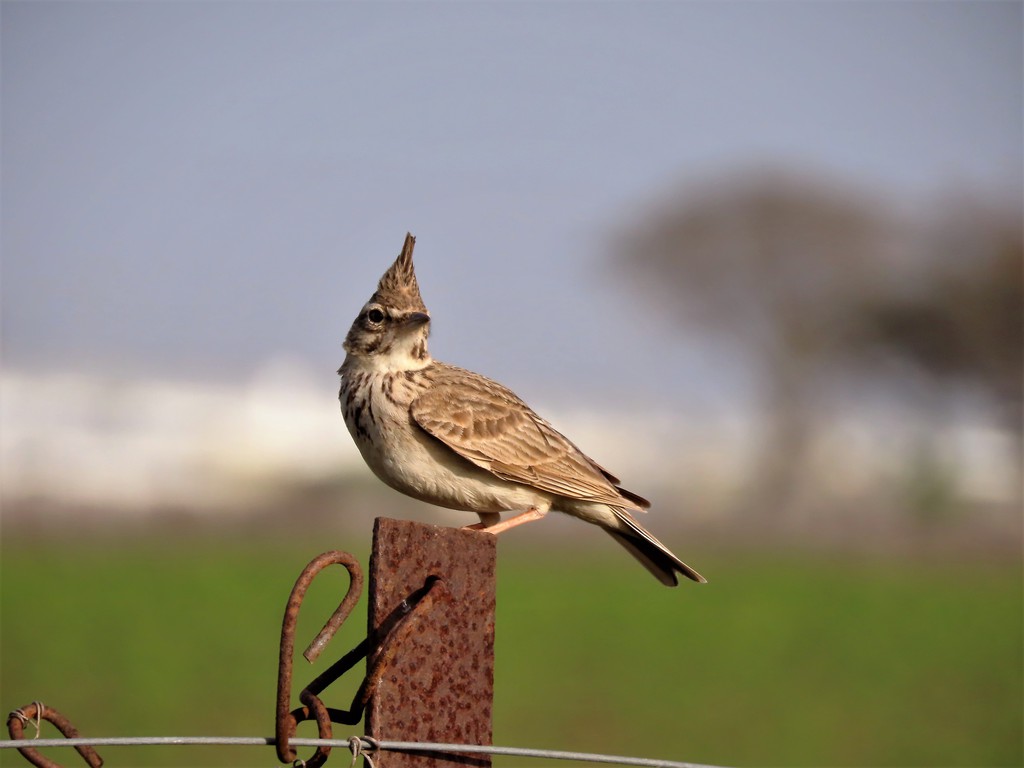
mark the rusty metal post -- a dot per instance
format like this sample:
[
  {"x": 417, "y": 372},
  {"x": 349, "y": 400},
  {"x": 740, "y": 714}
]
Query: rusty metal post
[{"x": 440, "y": 684}]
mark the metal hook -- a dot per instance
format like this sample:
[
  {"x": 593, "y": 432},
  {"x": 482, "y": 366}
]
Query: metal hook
[
  {"x": 34, "y": 713},
  {"x": 285, "y": 722},
  {"x": 394, "y": 632}
]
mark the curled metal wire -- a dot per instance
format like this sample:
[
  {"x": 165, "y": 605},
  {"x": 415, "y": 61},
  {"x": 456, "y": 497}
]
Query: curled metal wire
[
  {"x": 34, "y": 714},
  {"x": 355, "y": 745},
  {"x": 382, "y": 648}
]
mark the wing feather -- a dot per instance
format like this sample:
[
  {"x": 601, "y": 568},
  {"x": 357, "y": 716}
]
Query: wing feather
[{"x": 490, "y": 426}]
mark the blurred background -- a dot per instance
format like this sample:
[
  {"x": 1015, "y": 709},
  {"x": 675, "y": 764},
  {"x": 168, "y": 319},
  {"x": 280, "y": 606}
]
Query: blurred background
[{"x": 763, "y": 261}]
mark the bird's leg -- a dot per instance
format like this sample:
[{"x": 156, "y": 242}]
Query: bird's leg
[{"x": 533, "y": 513}]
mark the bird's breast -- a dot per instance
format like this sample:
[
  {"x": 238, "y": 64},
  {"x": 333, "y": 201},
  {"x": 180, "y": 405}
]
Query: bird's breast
[{"x": 376, "y": 411}]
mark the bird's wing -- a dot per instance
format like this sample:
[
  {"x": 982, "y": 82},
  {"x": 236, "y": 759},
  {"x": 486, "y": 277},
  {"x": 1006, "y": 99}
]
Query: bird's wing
[{"x": 487, "y": 424}]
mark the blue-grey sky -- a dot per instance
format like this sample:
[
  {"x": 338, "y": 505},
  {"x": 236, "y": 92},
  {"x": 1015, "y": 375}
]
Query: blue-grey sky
[{"x": 192, "y": 188}]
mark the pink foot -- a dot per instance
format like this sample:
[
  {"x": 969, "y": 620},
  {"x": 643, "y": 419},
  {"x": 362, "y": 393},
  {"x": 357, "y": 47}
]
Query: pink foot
[{"x": 533, "y": 513}]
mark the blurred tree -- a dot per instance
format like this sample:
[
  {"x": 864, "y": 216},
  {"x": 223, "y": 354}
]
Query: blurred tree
[
  {"x": 961, "y": 321},
  {"x": 804, "y": 276}
]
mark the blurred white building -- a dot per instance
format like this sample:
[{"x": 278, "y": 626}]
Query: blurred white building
[{"x": 131, "y": 446}]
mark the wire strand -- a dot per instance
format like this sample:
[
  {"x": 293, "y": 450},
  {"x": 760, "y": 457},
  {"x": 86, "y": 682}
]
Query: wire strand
[{"x": 367, "y": 746}]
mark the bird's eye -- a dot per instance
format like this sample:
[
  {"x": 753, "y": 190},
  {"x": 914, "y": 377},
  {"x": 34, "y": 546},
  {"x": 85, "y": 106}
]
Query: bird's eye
[{"x": 375, "y": 316}]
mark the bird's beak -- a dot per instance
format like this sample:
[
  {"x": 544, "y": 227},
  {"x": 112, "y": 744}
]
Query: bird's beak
[{"x": 414, "y": 319}]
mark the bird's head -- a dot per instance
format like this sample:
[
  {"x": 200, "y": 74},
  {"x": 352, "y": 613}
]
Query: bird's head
[{"x": 391, "y": 329}]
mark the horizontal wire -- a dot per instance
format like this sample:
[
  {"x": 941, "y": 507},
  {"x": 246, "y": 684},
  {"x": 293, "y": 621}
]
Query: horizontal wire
[
  {"x": 551, "y": 754},
  {"x": 159, "y": 741},
  {"x": 367, "y": 746}
]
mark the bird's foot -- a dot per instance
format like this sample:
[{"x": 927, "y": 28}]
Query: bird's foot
[
  {"x": 533, "y": 513},
  {"x": 486, "y": 519}
]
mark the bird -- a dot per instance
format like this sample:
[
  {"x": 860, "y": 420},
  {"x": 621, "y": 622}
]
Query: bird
[{"x": 457, "y": 439}]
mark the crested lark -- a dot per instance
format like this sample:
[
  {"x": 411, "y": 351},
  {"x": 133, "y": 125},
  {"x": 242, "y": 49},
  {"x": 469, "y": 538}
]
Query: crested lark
[{"x": 457, "y": 439}]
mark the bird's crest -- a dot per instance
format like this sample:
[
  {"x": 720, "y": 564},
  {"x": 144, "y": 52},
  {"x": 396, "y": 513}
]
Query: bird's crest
[{"x": 398, "y": 287}]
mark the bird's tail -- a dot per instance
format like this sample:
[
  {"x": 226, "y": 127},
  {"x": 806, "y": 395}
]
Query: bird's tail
[{"x": 652, "y": 554}]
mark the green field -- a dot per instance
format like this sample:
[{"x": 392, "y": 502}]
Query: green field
[{"x": 780, "y": 660}]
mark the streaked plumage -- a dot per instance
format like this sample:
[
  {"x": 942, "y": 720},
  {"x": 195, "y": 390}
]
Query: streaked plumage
[{"x": 457, "y": 439}]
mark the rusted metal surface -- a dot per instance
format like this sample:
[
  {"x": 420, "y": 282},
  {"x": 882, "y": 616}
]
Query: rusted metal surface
[
  {"x": 33, "y": 714},
  {"x": 440, "y": 684},
  {"x": 385, "y": 644}
]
